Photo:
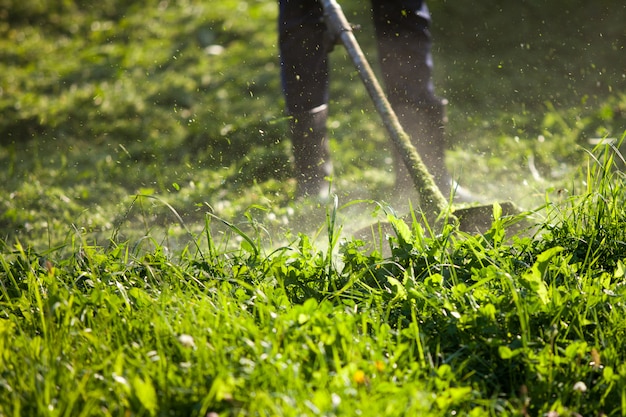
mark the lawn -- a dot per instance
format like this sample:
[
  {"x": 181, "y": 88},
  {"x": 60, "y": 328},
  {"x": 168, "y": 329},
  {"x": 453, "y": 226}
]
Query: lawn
[{"x": 153, "y": 261}]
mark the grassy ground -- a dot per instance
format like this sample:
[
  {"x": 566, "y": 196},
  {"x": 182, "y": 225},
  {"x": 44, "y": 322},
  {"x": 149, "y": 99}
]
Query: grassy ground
[
  {"x": 450, "y": 325},
  {"x": 183, "y": 102},
  {"x": 151, "y": 261}
]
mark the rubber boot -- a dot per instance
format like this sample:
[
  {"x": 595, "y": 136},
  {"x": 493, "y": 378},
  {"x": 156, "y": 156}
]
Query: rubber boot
[
  {"x": 425, "y": 126},
  {"x": 311, "y": 152}
]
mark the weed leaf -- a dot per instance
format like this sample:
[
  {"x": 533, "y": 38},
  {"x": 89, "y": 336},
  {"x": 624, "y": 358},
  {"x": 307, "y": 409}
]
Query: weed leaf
[
  {"x": 534, "y": 279},
  {"x": 146, "y": 394}
]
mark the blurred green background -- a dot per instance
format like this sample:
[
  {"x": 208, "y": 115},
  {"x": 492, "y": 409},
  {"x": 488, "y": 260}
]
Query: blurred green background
[{"x": 181, "y": 100}]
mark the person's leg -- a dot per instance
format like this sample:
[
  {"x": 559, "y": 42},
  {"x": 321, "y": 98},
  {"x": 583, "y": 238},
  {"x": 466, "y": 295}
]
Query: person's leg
[
  {"x": 304, "y": 75},
  {"x": 404, "y": 47},
  {"x": 404, "y": 44},
  {"x": 311, "y": 152}
]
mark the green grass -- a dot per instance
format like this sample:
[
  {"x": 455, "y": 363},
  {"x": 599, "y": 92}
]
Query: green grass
[
  {"x": 457, "y": 323},
  {"x": 182, "y": 100},
  {"x": 153, "y": 262}
]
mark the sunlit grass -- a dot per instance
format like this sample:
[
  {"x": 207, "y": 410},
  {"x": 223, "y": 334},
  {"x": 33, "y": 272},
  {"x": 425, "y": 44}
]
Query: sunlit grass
[
  {"x": 471, "y": 324},
  {"x": 153, "y": 262},
  {"x": 105, "y": 103}
]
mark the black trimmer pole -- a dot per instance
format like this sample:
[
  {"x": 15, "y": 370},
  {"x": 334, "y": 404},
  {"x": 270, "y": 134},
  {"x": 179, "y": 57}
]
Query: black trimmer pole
[{"x": 432, "y": 200}]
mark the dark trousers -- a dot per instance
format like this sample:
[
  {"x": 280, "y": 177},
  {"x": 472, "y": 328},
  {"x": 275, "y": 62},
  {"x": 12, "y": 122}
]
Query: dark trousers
[{"x": 404, "y": 46}]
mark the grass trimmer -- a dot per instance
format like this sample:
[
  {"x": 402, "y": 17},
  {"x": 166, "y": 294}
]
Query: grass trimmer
[{"x": 432, "y": 202}]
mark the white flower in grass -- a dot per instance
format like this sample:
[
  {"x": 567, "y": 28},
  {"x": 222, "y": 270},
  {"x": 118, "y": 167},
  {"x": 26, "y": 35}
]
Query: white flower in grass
[
  {"x": 186, "y": 340},
  {"x": 119, "y": 379},
  {"x": 580, "y": 386}
]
